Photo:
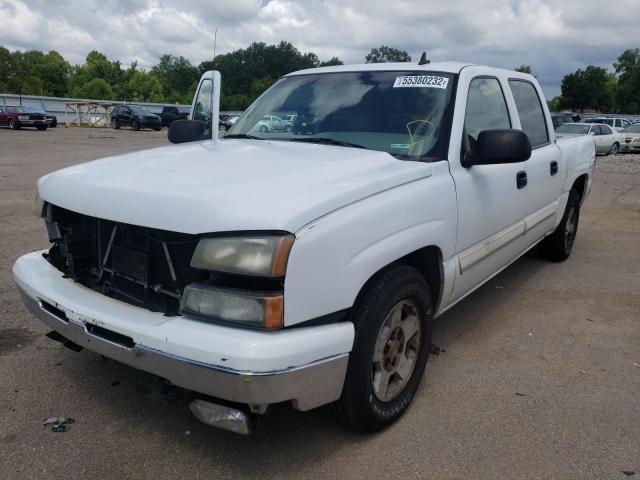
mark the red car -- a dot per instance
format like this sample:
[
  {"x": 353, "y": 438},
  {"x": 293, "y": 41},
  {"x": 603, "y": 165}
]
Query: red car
[{"x": 18, "y": 116}]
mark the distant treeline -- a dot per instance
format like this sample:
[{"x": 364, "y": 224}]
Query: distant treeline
[{"x": 248, "y": 72}]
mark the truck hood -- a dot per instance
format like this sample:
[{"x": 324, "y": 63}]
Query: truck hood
[{"x": 205, "y": 187}]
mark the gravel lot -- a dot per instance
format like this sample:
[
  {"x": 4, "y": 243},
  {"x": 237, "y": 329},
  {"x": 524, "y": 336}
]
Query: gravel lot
[{"x": 536, "y": 380}]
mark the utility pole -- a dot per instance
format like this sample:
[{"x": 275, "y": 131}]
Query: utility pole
[{"x": 215, "y": 41}]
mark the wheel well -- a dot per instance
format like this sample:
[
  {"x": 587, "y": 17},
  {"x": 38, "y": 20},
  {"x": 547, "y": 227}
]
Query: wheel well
[
  {"x": 580, "y": 185},
  {"x": 428, "y": 261}
]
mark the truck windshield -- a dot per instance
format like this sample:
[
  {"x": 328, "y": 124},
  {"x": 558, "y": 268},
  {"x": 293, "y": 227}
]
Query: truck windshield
[{"x": 402, "y": 113}]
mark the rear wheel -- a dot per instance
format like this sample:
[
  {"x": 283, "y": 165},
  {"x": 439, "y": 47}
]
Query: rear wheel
[
  {"x": 557, "y": 246},
  {"x": 393, "y": 319},
  {"x": 43, "y": 127},
  {"x": 264, "y": 128},
  {"x": 114, "y": 124},
  {"x": 135, "y": 125}
]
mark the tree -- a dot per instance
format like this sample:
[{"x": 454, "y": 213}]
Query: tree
[
  {"x": 588, "y": 88},
  {"x": 628, "y": 88},
  {"x": 331, "y": 62},
  {"x": 246, "y": 73},
  {"x": 97, "y": 89},
  {"x": 384, "y": 54},
  {"x": 524, "y": 69},
  {"x": 178, "y": 76},
  {"x": 555, "y": 104}
]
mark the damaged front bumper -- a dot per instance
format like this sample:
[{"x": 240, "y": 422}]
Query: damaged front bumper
[{"x": 306, "y": 366}]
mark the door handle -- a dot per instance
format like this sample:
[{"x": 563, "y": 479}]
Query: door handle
[
  {"x": 553, "y": 167},
  {"x": 521, "y": 179}
]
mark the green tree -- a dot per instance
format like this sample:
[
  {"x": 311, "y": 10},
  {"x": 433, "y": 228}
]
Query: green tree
[
  {"x": 178, "y": 77},
  {"x": 246, "y": 73},
  {"x": 332, "y": 61},
  {"x": 627, "y": 69},
  {"x": 96, "y": 89},
  {"x": 555, "y": 104},
  {"x": 384, "y": 54},
  {"x": 524, "y": 69},
  {"x": 588, "y": 88}
]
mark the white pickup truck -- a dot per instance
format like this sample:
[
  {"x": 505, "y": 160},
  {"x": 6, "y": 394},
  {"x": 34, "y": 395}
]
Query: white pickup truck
[{"x": 307, "y": 266}]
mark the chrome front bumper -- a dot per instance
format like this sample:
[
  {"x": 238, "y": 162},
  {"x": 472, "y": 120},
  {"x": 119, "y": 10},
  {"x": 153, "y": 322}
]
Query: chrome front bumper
[
  {"x": 124, "y": 333},
  {"x": 307, "y": 387}
]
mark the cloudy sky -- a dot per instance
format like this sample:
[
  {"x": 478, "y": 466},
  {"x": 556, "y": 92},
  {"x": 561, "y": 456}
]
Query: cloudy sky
[{"x": 553, "y": 36}]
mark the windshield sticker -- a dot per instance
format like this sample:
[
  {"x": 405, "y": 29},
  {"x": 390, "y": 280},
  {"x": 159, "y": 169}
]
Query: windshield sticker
[{"x": 420, "y": 81}]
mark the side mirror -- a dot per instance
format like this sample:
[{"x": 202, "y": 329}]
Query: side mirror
[
  {"x": 181, "y": 131},
  {"x": 498, "y": 146}
]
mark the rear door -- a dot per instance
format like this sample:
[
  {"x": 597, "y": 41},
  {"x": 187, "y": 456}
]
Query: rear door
[
  {"x": 545, "y": 167},
  {"x": 3, "y": 116}
]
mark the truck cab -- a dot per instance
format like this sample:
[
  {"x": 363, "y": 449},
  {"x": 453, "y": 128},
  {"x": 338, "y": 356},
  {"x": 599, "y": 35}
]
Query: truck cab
[{"x": 307, "y": 265}]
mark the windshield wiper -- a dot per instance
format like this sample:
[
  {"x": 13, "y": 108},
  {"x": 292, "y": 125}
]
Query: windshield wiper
[
  {"x": 243, "y": 135},
  {"x": 327, "y": 141}
]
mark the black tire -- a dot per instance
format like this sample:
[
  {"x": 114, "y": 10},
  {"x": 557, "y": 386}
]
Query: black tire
[
  {"x": 615, "y": 149},
  {"x": 13, "y": 125},
  {"x": 43, "y": 127},
  {"x": 135, "y": 125},
  {"x": 359, "y": 407},
  {"x": 54, "y": 123},
  {"x": 114, "y": 124},
  {"x": 264, "y": 128},
  {"x": 157, "y": 129},
  {"x": 557, "y": 246}
]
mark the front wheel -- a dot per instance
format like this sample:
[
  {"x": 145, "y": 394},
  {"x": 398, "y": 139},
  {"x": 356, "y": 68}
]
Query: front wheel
[
  {"x": 135, "y": 125},
  {"x": 614, "y": 149},
  {"x": 41, "y": 127},
  {"x": 393, "y": 319},
  {"x": 557, "y": 246},
  {"x": 114, "y": 124},
  {"x": 13, "y": 125}
]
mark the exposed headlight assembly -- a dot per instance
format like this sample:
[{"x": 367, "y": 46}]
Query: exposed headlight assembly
[
  {"x": 38, "y": 205},
  {"x": 240, "y": 307},
  {"x": 264, "y": 256}
]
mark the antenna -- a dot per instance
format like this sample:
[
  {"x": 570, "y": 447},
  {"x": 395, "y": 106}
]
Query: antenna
[{"x": 423, "y": 59}]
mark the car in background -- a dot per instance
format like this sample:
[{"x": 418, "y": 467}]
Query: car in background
[
  {"x": 561, "y": 118},
  {"x": 170, "y": 114},
  {"x": 270, "y": 123},
  {"x": 618, "y": 124},
  {"x": 606, "y": 139},
  {"x": 631, "y": 138},
  {"x": 135, "y": 116},
  {"x": 16, "y": 117},
  {"x": 52, "y": 120}
]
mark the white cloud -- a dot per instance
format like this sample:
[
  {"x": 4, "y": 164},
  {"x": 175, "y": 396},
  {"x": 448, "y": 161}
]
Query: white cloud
[{"x": 553, "y": 37}]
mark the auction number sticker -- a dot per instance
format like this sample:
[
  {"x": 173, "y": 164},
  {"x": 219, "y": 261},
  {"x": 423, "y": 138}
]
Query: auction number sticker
[{"x": 421, "y": 81}]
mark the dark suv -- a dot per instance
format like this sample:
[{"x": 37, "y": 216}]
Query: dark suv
[
  {"x": 171, "y": 114},
  {"x": 135, "y": 116}
]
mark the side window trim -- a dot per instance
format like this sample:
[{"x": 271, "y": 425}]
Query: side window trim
[{"x": 544, "y": 114}]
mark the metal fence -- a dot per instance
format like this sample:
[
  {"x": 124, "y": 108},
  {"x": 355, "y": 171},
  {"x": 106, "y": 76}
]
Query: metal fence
[{"x": 56, "y": 105}]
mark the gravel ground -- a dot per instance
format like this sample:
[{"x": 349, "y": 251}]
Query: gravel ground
[{"x": 536, "y": 378}]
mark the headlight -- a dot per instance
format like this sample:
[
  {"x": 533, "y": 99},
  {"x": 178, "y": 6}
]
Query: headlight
[
  {"x": 38, "y": 205},
  {"x": 264, "y": 256},
  {"x": 23, "y": 117},
  {"x": 262, "y": 310}
]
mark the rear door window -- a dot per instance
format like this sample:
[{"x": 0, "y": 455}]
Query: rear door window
[{"x": 532, "y": 119}]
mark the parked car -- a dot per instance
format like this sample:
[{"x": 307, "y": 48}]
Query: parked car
[
  {"x": 170, "y": 114},
  {"x": 631, "y": 138},
  {"x": 618, "y": 124},
  {"x": 606, "y": 139},
  {"x": 270, "y": 123},
  {"x": 135, "y": 116},
  {"x": 307, "y": 268},
  {"x": 16, "y": 117},
  {"x": 561, "y": 118},
  {"x": 52, "y": 120}
]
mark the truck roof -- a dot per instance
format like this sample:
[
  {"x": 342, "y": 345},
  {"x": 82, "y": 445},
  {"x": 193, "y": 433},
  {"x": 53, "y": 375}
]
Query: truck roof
[{"x": 448, "y": 67}]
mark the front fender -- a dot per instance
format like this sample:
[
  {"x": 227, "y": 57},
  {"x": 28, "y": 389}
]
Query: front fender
[{"x": 333, "y": 257}]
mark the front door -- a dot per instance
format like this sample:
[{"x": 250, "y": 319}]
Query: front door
[{"x": 491, "y": 205}]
